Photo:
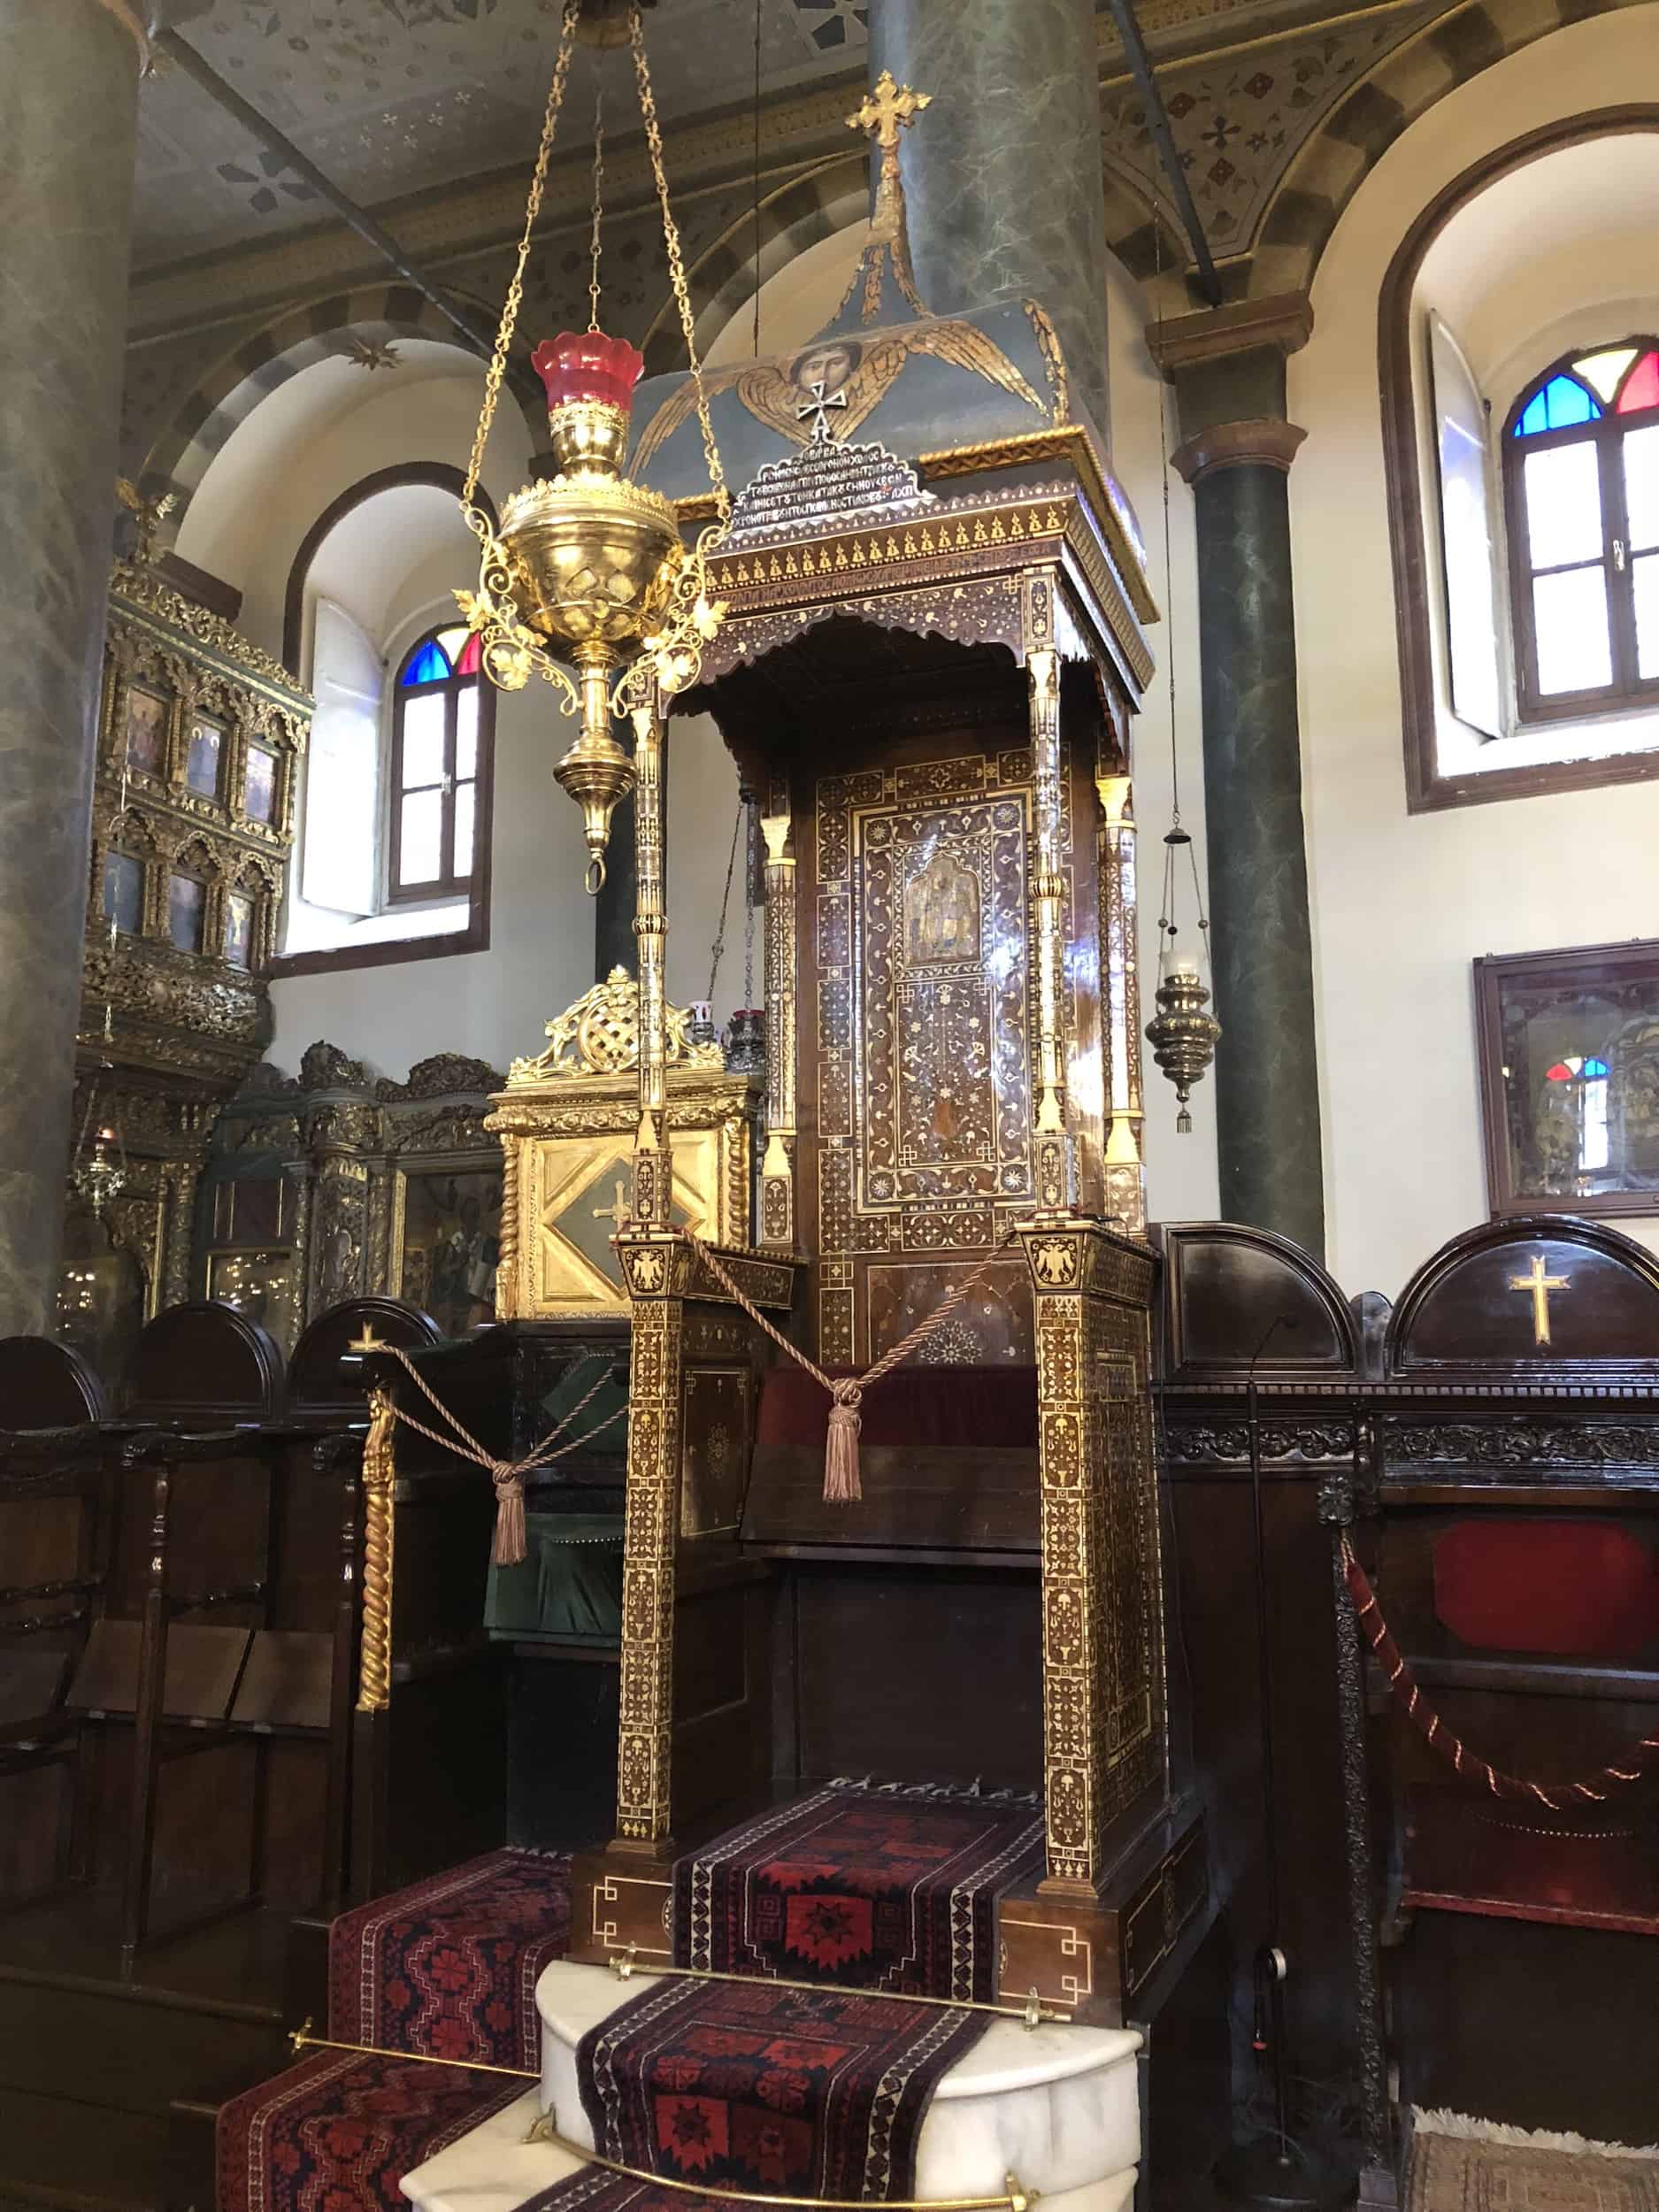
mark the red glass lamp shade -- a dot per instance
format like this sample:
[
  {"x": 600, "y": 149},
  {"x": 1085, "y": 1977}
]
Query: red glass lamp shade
[{"x": 586, "y": 364}]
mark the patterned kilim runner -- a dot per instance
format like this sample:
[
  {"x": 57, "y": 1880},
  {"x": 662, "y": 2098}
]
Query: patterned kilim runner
[
  {"x": 868, "y": 1887},
  {"x": 795, "y": 2093},
  {"x": 1453, "y": 2173},
  {"x": 449, "y": 1966},
  {"x": 447, "y": 1969}
]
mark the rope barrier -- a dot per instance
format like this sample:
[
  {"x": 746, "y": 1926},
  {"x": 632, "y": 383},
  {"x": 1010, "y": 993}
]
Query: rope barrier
[
  {"x": 507, "y": 1475},
  {"x": 1434, "y": 1732},
  {"x": 842, "y": 1483}
]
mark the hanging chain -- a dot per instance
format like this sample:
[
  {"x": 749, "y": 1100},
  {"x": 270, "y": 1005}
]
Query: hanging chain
[
  {"x": 676, "y": 264},
  {"x": 755, "y": 347},
  {"x": 1163, "y": 449},
  {"x": 749, "y": 857},
  {"x": 718, "y": 948},
  {"x": 599, "y": 187},
  {"x": 515, "y": 291}
]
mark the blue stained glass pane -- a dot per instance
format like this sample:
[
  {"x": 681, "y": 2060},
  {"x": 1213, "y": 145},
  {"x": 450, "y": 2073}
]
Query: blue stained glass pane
[
  {"x": 428, "y": 664},
  {"x": 1561, "y": 402},
  {"x": 1594, "y": 1068}
]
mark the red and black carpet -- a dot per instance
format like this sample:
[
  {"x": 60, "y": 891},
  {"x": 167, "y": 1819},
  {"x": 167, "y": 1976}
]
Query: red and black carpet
[
  {"x": 791, "y": 2092},
  {"x": 446, "y": 1968},
  {"x": 449, "y": 1966},
  {"x": 866, "y": 1886}
]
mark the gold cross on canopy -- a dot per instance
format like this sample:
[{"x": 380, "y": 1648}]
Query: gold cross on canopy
[
  {"x": 819, "y": 407},
  {"x": 617, "y": 1211},
  {"x": 368, "y": 1341},
  {"x": 1540, "y": 1283},
  {"x": 882, "y": 114}
]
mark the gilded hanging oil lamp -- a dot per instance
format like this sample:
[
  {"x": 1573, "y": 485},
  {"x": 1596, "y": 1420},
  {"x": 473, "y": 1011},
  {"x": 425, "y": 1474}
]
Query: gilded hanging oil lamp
[
  {"x": 588, "y": 567},
  {"x": 1184, "y": 1033}
]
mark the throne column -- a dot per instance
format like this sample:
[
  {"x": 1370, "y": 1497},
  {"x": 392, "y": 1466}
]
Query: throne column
[
  {"x": 1236, "y": 455},
  {"x": 63, "y": 271},
  {"x": 1004, "y": 200}
]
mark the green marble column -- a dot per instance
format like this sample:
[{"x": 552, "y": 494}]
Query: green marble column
[
  {"x": 68, "y": 111},
  {"x": 1267, "y": 1089},
  {"x": 1002, "y": 177}
]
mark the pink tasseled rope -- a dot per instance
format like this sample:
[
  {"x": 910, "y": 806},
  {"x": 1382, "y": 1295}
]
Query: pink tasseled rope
[
  {"x": 841, "y": 1483},
  {"x": 507, "y": 1475}
]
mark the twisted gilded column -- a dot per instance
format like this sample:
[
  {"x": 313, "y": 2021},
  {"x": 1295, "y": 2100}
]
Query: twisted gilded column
[{"x": 68, "y": 115}]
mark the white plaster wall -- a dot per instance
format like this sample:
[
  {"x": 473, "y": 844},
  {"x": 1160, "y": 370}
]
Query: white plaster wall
[
  {"x": 1181, "y": 1179},
  {"x": 1402, "y": 905},
  {"x": 315, "y": 437}
]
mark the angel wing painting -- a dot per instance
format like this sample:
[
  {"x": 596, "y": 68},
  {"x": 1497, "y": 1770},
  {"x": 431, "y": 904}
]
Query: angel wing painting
[{"x": 780, "y": 393}]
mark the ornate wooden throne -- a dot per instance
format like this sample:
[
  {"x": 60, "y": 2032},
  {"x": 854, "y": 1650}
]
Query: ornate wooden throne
[{"x": 931, "y": 690}]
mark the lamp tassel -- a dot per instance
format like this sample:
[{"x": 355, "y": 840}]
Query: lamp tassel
[{"x": 841, "y": 1486}]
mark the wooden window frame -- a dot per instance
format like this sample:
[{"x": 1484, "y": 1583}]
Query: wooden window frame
[
  {"x": 449, "y": 884},
  {"x": 1429, "y": 786},
  {"x": 1628, "y": 689}
]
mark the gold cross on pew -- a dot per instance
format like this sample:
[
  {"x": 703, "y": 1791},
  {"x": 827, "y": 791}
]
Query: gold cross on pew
[
  {"x": 1540, "y": 1283},
  {"x": 368, "y": 1341}
]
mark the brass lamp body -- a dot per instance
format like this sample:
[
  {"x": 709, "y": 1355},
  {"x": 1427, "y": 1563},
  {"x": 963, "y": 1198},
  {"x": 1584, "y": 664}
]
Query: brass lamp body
[
  {"x": 594, "y": 560},
  {"x": 1183, "y": 1037}
]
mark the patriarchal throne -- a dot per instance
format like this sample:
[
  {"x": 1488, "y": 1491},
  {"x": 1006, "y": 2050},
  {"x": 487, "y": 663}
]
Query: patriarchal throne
[{"x": 900, "y": 1903}]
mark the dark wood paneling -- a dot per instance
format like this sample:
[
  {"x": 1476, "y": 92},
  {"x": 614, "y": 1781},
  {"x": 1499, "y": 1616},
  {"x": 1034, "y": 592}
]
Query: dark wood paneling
[{"x": 915, "y": 1675}]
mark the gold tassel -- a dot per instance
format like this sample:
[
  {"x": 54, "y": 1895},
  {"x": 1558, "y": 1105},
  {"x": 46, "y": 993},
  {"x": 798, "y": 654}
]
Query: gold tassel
[
  {"x": 508, "y": 1547},
  {"x": 841, "y": 1486}
]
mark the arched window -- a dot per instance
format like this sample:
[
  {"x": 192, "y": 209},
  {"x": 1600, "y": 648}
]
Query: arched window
[
  {"x": 1581, "y": 478},
  {"x": 435, "y": 752}
]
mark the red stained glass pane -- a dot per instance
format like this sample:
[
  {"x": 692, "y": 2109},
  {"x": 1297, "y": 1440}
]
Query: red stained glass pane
[
  {"x": 471, "y": 655},
  {"x": 1641, "y": 386}
]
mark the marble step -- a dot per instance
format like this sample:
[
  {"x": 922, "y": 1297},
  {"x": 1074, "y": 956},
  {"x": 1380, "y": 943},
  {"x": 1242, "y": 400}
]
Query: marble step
[
  {"x": 493, "y": 2168},
  {"x": 1058, "y": 2106}
]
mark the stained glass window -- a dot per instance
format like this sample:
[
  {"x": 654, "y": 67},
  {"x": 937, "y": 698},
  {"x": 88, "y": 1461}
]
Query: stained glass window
[
  {"x": 428, "y": 664},
  {"x": 1582, "y": 470},
  {"x": 1562, "y": 402},
  {"x": 435, "y": 766}
]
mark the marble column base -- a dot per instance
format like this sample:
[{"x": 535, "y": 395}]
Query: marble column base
[{"x": 495, "y": 2169}]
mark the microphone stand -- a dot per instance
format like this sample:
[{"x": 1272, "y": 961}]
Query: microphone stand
[{"x": 1273, "y": 2170}]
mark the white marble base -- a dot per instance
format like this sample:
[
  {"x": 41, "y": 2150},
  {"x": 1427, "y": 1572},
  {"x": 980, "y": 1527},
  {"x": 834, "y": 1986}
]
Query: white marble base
[
  {"x": 1056, "y": 2105},
  {"x": 493, "y": 2169}
]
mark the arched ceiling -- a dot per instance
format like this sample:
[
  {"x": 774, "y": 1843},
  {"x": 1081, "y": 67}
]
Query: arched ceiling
[{"x": 1572, "y": 230}]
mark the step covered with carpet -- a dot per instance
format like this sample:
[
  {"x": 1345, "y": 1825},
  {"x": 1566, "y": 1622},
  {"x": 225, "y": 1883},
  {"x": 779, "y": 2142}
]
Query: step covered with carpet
[
  {"x": 836, "y": 2056},
  {"x": 446, "y": 1968}
]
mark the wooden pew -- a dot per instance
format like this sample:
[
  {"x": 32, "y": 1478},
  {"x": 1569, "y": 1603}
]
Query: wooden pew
[{"x": 56, "y": 1532}]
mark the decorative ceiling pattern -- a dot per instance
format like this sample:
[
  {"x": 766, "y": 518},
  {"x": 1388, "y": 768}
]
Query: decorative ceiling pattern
[
  {"x": 393, "y": 97},
  {"x": 1237, "y": 121}
]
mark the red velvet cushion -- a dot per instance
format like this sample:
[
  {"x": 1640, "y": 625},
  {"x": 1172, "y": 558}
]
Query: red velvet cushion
[
  {"x": 984, "y": 1406},
  {"x": 1580, "y": 1589}
]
